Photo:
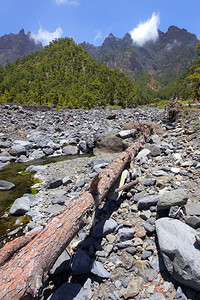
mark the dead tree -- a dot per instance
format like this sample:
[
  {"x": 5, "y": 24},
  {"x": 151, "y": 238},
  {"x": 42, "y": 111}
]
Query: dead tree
[{"x": 25, "y": 272}]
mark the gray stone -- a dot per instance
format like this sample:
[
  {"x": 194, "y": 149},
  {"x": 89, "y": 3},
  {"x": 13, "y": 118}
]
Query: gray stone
[
  {"x": 48, "y": 151},
  {"x": 21, "y": 143},
  {"x": 172, "y": 198},
  {"x": 125, "y": 234},
  {"x": 82, "y": 263},
  {"x": 33, "y": 198},
  {"x": 98, "y": 161},
  {"x": 159, "y": 173},
  {"x": 179, "y": 294},
  {"x": 5, "y": 159},
  {"x": 32, "y": 214},
  {"x": 155, "y": 150},
  {"x": 149, "y": 226},
  {"x": 157, "y": 296},
  {"x": 154, "y": 139},
  {"x": 180, "y": 251},
  {"x": 99, "y": 270},
  {"x": 192, "y": 209},
  {"x": 6, "y": 185},
  {"x": 58, "y": 200},
  {"x": 193, "y": 221},
  {"x": 143, "y": 153},
  {"x": 132, "y": 289},
  {"x": 104, "y": 227},
  {"x": 148, "y": 201},
  {"x": 53, "y": 209},
  {"x": 35, "y": 169},
  {"x": 18, "y": 150},
  {"x": 36, "y": 154},
  {"x": 66, "y": 180},
  {"x": 83, "y": 146},
  {"x": 62, "y": 264},
  {"x": 22, "y": 159},
  {"x": 54, "y": 183},
  {"x": 17, "y": 230},
  {"x": 20, "y": 206},
  {"x": 149, "y": 182},
  {"x": 146, "y": 254},
  {"x": 70, "y": 150},
  {"x": 158, "y": 264}
]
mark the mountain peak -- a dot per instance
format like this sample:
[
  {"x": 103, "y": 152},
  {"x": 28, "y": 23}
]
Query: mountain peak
[{"x": 14, "y": 46}]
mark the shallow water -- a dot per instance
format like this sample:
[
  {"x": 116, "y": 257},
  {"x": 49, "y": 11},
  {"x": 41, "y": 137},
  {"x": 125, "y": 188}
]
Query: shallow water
[{"x": 23, "y": 182}]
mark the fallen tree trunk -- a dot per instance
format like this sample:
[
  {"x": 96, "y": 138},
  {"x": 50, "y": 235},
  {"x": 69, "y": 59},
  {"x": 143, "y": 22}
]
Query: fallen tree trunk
[{"x": 23, "y": 275}]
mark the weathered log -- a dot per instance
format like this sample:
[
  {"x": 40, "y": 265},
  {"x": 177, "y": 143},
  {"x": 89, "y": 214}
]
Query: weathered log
[
  {"x": 23, "y": 275},
  {"x": 10, "y": 248}
]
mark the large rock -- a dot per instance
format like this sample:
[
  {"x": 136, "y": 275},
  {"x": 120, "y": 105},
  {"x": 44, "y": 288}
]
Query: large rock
[
  {"x": 6, "y": 185},
  {"x": 70, "y": 150},
  {"x": 180, "y": 251},
  {"x": 148, "y": 201},
  {"x": 172, "y": 198},
  {"x": 112, "y": 143},
  {"x": 20, "y": 206}
]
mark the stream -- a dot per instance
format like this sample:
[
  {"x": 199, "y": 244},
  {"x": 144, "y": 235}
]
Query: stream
[{"x": 14, "y": 173}]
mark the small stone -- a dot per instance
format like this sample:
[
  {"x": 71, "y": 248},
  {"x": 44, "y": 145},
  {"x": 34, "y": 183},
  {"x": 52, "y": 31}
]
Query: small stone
[
  {"x": 132, "y": 289},
  {"x": 99, "y": 270},
  {"x": 146, "y": 254},
  {"x": 54, "y": 183},
  {"x": 111, "y": 238},
  {"x": 175, "y": 170},
  {"x": 125, "y": 234},
  {"x": 145, "y": 214},
  {"x": 6, "y": 185}
]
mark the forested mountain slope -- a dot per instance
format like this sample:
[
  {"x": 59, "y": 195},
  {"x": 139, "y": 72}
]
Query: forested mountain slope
[{"x": 66, "y": 75}]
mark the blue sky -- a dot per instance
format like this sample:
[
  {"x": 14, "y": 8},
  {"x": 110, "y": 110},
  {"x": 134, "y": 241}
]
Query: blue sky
[{"x": 93, "y": 20}]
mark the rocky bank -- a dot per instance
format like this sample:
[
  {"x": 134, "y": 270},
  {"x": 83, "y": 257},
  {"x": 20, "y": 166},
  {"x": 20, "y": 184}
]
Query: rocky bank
[{"x": 142, "y": 243}]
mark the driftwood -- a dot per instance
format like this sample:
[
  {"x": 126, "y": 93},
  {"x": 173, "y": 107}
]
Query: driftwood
[{"x": 23, "y": 275}]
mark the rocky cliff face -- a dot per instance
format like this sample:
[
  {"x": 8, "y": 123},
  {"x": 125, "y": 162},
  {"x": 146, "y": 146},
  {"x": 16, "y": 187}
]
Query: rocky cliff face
[
  {"x": 14, "y": 46},
  {"x": 163, "y": 59}
]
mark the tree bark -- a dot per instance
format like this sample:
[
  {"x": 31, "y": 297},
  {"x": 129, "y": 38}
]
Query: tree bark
[{"x": 23, "y": 275}]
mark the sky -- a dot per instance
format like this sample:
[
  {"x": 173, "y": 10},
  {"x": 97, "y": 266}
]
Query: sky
[{"x": 92, "y": 20}]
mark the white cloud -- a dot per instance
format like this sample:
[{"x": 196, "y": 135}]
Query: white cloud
[
  {"x": 169, "y": 46},
  {"x": 67, "y": 2},
  {"x": 147, "y": 31},
  {"x": 46, "y": 36},
  {"x": 98, "y": 35}
]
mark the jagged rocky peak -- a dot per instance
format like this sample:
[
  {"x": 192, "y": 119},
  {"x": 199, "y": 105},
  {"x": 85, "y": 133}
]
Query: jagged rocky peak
[
  {"x": 14, "y": 46},
  {"x": 170, "y": 54}
]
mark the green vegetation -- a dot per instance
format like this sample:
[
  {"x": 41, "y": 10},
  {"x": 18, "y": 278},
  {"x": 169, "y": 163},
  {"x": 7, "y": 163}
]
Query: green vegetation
[{"x": 65, "y": 75}]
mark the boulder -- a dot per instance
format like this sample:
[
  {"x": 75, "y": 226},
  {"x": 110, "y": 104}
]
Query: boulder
[
  {"x": 180, "y": 251},
  {"x": 70, "y": 150},
  {"x": 172, "y": 198},
  {"x": 20, "y": 206},
  {"x": 148, "y": 201},
  {"x": 6, "y": 185},
  {"x": 112, "y": 143}
]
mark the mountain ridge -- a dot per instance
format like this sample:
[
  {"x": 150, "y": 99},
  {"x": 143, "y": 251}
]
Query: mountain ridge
[
  {"x": 163, "y": 59},
  {"x": 14, "y": 46}
]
